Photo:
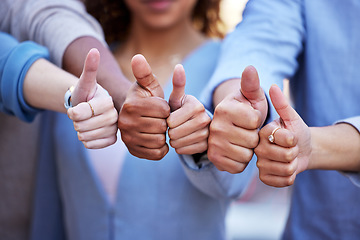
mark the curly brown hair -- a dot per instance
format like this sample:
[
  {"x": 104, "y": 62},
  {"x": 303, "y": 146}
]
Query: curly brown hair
[{"x": 114, "y": 17}]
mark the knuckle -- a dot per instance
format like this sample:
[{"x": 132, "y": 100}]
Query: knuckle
[
  {"x": 220, "y": 110},
  {"x": 290, "y": 180},
  {"x": 170, "y": 122},
  {"x": 258, "y": 151},
  {"x": 289, "y": 170},
  {"x": 111, "y": 130},
  {"x": 107, "y": 103},
  {"x": 171, "y": 133},
  {"x": 180, "y": 151},
  {"x": 215, "y": 127},
  {"x": 111, "y": 140},
  {"x": 263, "y": 178},
  {"x": 75, "y": 115},
  {"x": 173, "y": 144},
  {"x": 214, "y": 157},
  {"x": 233, "y": 170},
  {"x": 220, "y": 168},
  {"x": 164, "y": 110},
  {"x": 247, "y": 156},
  {"x": 129, "y": 108},
  {"x": 204, "y": 120},
  {"x": 115, "y": 113},
  {"x": 214, "y": 145},
  {"x": 255, "y": 121},
  {"x": 289, "y": 155},
  {"x": 128, "y": 139},
  {"x": 163, "y": 126},
  {"x": 86, "y": 145},
  {"x": 158, "y": 154},
  {"x": 160, "y": 140},
  {"x": 125, "y": 123},
  {"x": 204, "y": 134},
  {"x": 80, "y": 136},
  {"x": 76, "y": 126},
  {"x": 259, "y": 164},
  {"x": 109, "y": 99},
  {"x": 134, "y": 152},
  {"x": 238, "y": 169},
  {"x": 262, "y": 133},
  {"x": 253, "y": 140},
  {"x": 203, "y": 146},
  {"x": 199, "y": 108}
]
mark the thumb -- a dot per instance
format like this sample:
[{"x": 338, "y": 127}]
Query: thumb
[
  {"x": 144, "y": 76},
  {"x": 282, "y": 106},
  {"x": 86, "y": 86},
  {"x": 178, "y": 93},
  {"x": 250, "y": 85}
]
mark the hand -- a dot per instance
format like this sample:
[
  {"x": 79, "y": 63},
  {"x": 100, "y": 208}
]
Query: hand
[
  {"x": 279, "y": 162},
  {"x": 93, "y": 114},
  {"x": 142, "y": 119},
  {"x": 234, "y": 128},
  {"x": 188, "y": 121}
]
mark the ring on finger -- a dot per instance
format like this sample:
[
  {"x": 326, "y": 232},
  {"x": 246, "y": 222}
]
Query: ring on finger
[
  {"x": 271, "y": 137},
  {"x": 92, "y": 110}
]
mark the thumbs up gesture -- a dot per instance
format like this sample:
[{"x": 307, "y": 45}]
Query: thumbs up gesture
[
  {"x": 142, "y": 118},
  {"x": 280, "y": 160},
  {"x": 188, "y": 121},
  {"x": 237, "y": 118},
  {"x": 94, "y": 115}
]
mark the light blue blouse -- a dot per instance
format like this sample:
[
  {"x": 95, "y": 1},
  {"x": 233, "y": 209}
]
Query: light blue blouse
[{"x": 168, "y": 199}]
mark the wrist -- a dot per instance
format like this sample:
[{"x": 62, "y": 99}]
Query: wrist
[{"x": 67, "y": 98}]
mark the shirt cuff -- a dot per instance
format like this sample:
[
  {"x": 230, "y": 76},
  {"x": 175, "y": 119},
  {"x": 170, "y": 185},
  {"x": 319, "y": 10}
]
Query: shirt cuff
[
  {"x": 354, "y": 177},
  {"x": 15, "y": 69},
  {"x": 189, "y": 162},
  {"x": 354, "y": 121}
]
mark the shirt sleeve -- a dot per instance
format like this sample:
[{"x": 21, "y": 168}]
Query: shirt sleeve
[
  {"x": 53, "y": 24},
  {"x": 218, "y": 184},
  {"x": 269, "y": 37},
  {"x": 208, "y": 179},
  {"x": 15, "y": 60},
  {"x": 355, "y": 122}
]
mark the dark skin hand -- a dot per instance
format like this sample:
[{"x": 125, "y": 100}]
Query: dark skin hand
[{"x": 142, "y": 119}]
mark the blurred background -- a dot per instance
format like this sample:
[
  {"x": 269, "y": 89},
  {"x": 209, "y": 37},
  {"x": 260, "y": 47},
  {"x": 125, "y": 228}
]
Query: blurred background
[{"x": 262, "y": 212}]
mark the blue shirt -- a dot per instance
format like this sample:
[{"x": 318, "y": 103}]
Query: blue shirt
[
  {"x": 15, "y": 60},
  {"x": 315, "y": 44}
]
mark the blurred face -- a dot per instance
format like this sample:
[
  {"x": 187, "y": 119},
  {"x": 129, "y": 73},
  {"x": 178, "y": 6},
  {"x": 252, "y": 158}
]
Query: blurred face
[{"x": 160, "y": 14}]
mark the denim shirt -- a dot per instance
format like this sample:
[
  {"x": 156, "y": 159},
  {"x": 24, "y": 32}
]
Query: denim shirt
[{"x": 316, "y": 45}]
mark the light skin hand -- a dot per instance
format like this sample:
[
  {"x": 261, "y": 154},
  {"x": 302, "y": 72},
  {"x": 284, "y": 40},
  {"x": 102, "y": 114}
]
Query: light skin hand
[
  {"x": 290, "y": 154},
  {"x": 188, "y": 121},
  {"x": 237, "y": 117},
  {"x": 142, "y": 118},
  {"x": 109, "y": 74},
  {"x": 96, "y": 131}
]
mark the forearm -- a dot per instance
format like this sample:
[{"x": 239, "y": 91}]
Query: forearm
[
  {"x": 45, "y": 86},
  {"x": 109, "y": 74},
  {"x": 335, "y": 148},
  {"x": 225, "y": 89}
]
